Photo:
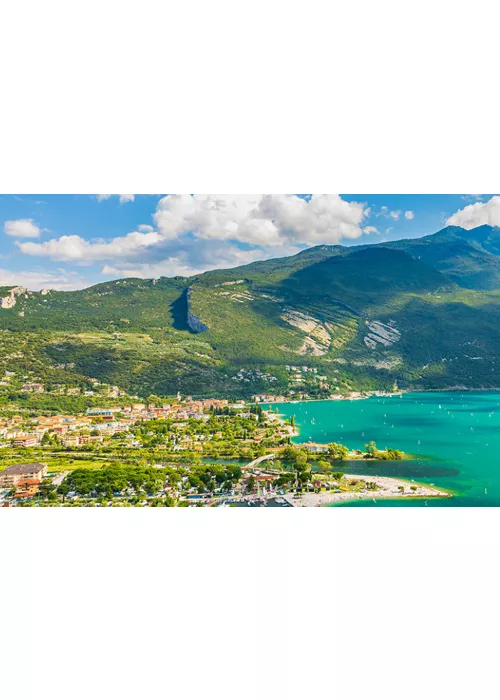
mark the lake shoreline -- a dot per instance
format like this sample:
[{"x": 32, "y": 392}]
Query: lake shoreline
[
  {"x": 360, "y": 396},
  {"x": 388, "y": 489}
]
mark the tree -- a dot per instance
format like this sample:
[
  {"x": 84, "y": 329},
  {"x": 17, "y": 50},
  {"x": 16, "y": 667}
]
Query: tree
[
  {"x": 323, "y": 466},
  {"x": 300, "y": 459},
  {"x": 303, "y": 476},
  {"x": 337, "y": 451},
  {"x": 288, "y": 453},
  {"x": 371, "y": 450},
  {"x": 251, "y": 483},
  {"x": 393, "y": 454},
  {"x": 63, "y": 490}
]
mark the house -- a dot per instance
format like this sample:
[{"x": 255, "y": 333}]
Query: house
[
  {"x": 19, "y": 473},
  {"x": 105, "y": 412},
  {"x": 315, "y": 447},
  {"x": 36, "y": 387},
  {"x": 71, "y": 441},
  {"x": 27, "y": 488},
  {"x": 26, "y": 441}
]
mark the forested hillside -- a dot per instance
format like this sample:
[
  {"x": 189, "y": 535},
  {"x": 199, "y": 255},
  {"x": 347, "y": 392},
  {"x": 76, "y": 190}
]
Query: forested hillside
[{"x": 421, "y": 313}]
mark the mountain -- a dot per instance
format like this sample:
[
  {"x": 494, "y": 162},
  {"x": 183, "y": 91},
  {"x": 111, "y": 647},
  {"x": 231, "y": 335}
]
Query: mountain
[
  {"x": 416, "y": 313},
  {"x": 470, "y": 258}
]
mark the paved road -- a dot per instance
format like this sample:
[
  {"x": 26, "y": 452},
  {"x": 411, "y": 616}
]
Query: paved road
[{"x": 59, "y": 478}]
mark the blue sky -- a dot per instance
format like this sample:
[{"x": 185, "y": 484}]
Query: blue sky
[{"x": 73, "y": 241}]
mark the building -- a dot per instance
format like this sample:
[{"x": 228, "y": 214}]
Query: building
[
  {"x": 33, "y": 386},
  {"x": 104, "y": 412},
  {"x": 26, "y": 441},
  {"x": 71, "y": 441},
  {"x": 315, "y": 447},
  {"x": 18, "y": 473}
]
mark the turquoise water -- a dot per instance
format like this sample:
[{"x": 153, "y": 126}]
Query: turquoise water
[{"x": 455, "y": 438}]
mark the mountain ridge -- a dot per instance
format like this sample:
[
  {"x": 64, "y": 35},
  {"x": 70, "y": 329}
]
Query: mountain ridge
[{"x": 414, "y": 313}]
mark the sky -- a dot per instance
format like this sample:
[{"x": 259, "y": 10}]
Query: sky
[{"x": 73, "y": 241}]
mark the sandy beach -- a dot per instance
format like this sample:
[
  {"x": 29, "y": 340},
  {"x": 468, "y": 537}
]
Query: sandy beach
[{"x": 387, "y": 488}]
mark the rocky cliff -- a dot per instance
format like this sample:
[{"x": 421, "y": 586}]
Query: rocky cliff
[
  {"x": 10, "y": 300},
  {"x": 193, "y": 321}
]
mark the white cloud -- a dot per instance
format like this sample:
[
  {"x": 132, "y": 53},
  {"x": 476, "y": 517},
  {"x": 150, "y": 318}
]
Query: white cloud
[
  {"x": 191, "y": 260},
  {"x": 123, "y": 197},
  {"x": 370, "y": 229},
  {"x": 409, "y": 215},
  {"x": 477, "y": 214},
  {"x": 40, "y": 279},
  {"x": 387, "y": 214},
  {"x": 261, "y": 219},
  {"x": 76, "y": 248},
  {"x": 21, "y": 228},
  {"x": 199, "y": 232}
]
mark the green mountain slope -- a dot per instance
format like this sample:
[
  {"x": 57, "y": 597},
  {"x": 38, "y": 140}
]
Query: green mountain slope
[
  {"x": 422, "y": 313},
  {"x": 470, "y": 258}
]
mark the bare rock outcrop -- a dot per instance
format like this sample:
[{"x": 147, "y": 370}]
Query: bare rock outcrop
[{"x": 10, "y": 300}]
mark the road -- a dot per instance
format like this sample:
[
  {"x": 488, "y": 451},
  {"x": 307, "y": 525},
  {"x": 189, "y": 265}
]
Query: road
[{"x": 59, "y": 478}]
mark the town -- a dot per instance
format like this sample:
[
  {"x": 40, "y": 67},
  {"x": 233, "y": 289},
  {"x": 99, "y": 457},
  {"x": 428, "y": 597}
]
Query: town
[{"x": 178, "y": 451}]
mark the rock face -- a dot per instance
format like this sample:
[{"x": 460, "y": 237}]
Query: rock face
[
  {"x": 193, "y": 321},
  {"x": 381, "y": 333},
  {"x": 10, "y": 300}
]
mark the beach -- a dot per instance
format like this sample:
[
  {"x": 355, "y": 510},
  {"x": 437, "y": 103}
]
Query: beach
[{"x": 387, "y": 487}]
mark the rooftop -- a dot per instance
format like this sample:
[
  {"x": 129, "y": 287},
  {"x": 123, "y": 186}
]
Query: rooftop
[{"x": 33, "y": 468}]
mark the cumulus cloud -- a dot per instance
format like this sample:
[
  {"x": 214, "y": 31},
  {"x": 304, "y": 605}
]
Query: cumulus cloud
[
  {"x": 409, "y": 215},
  {"x": 123, "y": 197},
  {"x": 477, "y": 214},
  {"x": 261, "y": 219},
  {"x": 199, "y": 232},
  {"x": 40, "y": 279},
  {"x": 370, "y": 229},
  {"x": 21, "y": 228},
  {"x": 74, "y": 248}
]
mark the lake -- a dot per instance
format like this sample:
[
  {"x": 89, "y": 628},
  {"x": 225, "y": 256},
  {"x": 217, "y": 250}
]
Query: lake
[{"x": 455, "y": 438}]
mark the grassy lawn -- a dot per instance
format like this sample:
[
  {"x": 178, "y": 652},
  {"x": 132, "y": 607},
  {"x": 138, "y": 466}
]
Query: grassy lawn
[{"x": 60, "y": 464}]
